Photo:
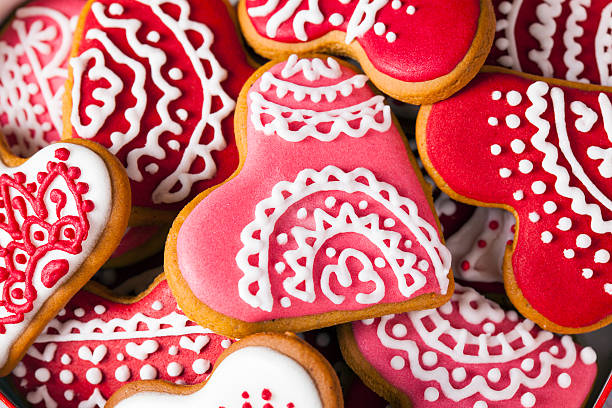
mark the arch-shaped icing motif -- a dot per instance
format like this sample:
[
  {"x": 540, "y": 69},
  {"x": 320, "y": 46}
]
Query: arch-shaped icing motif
[
  {"x": 473, "y": 353},
  {"x": 171, "y": 127}
]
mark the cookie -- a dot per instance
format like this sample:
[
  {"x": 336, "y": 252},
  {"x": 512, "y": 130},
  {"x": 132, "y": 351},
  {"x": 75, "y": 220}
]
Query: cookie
[
  {"x": 63, "y": 212},
  {"x": 543, "y": 153},
  {"x": 566, "y": 40},
  {"x": 156, "y": 82},
  {"x": 468, "y": 353},
  {"x": 99, "y": 342},
  {"x": 262, "y": 370},
  {"x": 338, "y": 228},
  {"x": 413, "y": 50},
  {"x": 34, "y": 49}
]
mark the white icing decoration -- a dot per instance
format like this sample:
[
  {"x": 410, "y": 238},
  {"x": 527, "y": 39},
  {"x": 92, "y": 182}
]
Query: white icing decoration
[
  {"x": 505, "y": 173},
  {"x": 602, "y": 256},
  {"x": 397, "y": 363},
  {"x": 543, "y": 31},
  {"x": 94, "y": 357},
  {"x": 200, "y": 366},
  {"x": 546, "y": 237},
  {"x": 514, "y": 98},
  {"x": 588, "y": 356},
  {"x": 587, "y": 273},
  {"x": 564, "y": 224},
  {"x": 94, "y": 376},
  {"x": 528, "y": 400},
  {"x": 587, "y": 116},
  {"x": 493, "y": 121},
  {"x": 148, "y": 372},
  {"x": 550, "y": 207},
  {"x": 431, "y": 394},
  {"x": 42, "y": 374},
  {"x": 495, "y": 149},
  {"x": 513, "y": 121},
  {"x": 603, "y": 45},
  {"x": 534, "y": 217},
  {"x": 122, "y": 373},
  {"x": 518, "y": 146},
  {"x": 194, "y": 345},
  {"x": 142, "y": 351},
  {"x": 573, "y": 31},
  {"x": 174, "y": 369},
  {"x": 525, "y": 166},
  {"x": 564, "y": 380}
]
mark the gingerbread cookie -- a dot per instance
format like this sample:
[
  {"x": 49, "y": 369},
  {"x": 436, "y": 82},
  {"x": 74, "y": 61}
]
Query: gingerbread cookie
[
  {"x": 331, "y": 233},
  {"x": 416, "y": 51},
  {"x": 468, "y": 353},
  {"x": 567, "y": 40},
  {"x": 156, "y": 83},
  {"x": 543, "y": 149},
  {"x": 99, "y": 342},
  {"x": 34, "y": 49},
  {"x": 262, "y": 370},
  {"x": 62, "y": 213}
]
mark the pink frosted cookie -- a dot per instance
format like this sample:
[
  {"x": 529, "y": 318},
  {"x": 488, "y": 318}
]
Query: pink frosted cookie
[
  {"x": 265, "y": 370},
  {"x": 543, "y": 152},
  {"x": 417, "y": 51},
  {"x": 62, "y": 213},
  {"x": 326, "y": 220},
  {"x": 468, "y": 353},
  {"x": 561, "y": 39},
  {"x": 156, "y": 83},
  {"x": 34, "y": 49},
  {"x": 99, "y": 342}
]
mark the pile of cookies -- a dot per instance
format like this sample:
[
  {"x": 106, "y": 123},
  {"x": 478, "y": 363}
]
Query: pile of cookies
[{"x": 288, "y": 196}]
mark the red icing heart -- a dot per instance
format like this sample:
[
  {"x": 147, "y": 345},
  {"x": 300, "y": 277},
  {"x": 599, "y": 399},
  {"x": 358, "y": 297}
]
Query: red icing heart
[
  {"x": 543, "y": 150},
  {"x": 156, "y": 84},
  {"x": 97, "y": 344}
]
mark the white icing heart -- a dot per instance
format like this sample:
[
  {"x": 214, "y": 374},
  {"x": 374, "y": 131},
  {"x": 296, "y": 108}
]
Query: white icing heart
[
  {"x": 587, "y": 116},
  {"x": 47, "y": 354},
  {"x": 194, "y": 345},
  {"x": 96, "y": 356},
  {"x": 141, "y": 352}
]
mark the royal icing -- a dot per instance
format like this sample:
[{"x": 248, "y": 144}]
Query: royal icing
[
  {"x": 54, "y": 210},
  {"x": 470, "y": 352},
  {"x": 563, "y": 39},
  {"x": 564, "y": 204},
  {"x": 160, "y": 92},
  {"x": 331, "y": 227},
  {"x": 89, "y": 355},
  {"x": 34, "y": 50}
]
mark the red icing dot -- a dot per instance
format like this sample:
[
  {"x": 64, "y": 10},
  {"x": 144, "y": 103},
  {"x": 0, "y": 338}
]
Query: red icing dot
[
  {"x": 20, "y": 259},
  {"x": 54, "y": 271},
  {"x": 245, "y": 395},
  {"x": 494, "y": 225},
  {"x": 247, "y": 405},
  {"x": 40, "y": 177},
  {"x": 268, "y": 405},
  {"x": 291, "y": 405},
  {"x": 266, "y": 394},
  {"x": 482, "y": 243},
  {"x": 51, "y": 166},
  {"x": 513, "y": 228},
  {"x": 20, "y": 177},
  {"x": 509, "y": 242},
  {"x": 32, "y": 187},
  {"x": 62, "y": 167},
  {"x": 82, "y": 188},
  {"x": 465, "y": 265},
  {"x": 88, "y": 206},
  {"x": 1, "y": 203},
  {"x": 69, "y": 233},
  {"x": 62, "y": 153},
  {"x": 39, "y": 235},
  {"x": 17, "y": 293},
  {"x": 2, "y": 218},
  {"x": 74, "y": 172}
]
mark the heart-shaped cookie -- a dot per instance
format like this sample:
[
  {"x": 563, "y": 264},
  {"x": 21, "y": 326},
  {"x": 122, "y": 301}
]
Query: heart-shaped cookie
[
  {"x": 468, "y": 353},
  {"x": 34, "y": 50},
  {"x": 326, "y": 220},
  {"x": 567, "y": 40},
  {"x": 155, "y": 81},
  {"x": 535, "y": 158},
  {"x": 98, "y": 342},
  {"x": 62, "y": 213},
  {"x": 262, "y": 370},
  {"x": 414, "y": 50}
]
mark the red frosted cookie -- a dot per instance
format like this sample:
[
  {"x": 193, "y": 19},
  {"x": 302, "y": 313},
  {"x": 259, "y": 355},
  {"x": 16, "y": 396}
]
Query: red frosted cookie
[
  {"x": 326, "y": 220},
  {"x": 468, "y": 353},
  {"x": 417, "y": 51},
  {"x": 99, "y": 342},
  {"x": 543, "y": 152},
  {"x": 156, "y": 82},
  {"x": 34, "y": 49},
  {"x": 62, "y": 213},
  {"x": 263, "y": 370},
  {"x": 562, "y": 39}
]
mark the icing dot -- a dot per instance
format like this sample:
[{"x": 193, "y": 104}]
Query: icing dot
[
  {"x": 534, "y": 217},
  {"x": 564, "y": 380},
  {"x": 399, "y": 330},
  {"x": 301, "y": 213},
  {"x": 504, "y": 172},
  {"x": 502, "y": 43},
  {"x": 505, "y": 7},
  {"x": 99, "y": 309},
  {"x": 525, "y": 166},
  {"x": 396, "y": 4},
  {"x": 115, "y": 9},
  {"x": 38, "y": 109},
  {"x": 512, "y": 316},
  {"x": 494, "y": 375},
  {"x": 66, "y": 376},
  {"x": 602, "y": 256},
  {"x": 588, "y": 356},
  {"x": 583, "y": 241},
  {"x": 431, "y": 394},
  {"x": 546, "y": 237},
  {"x": 79, "y": 312},
  {"x": 225, "y": 343},
  {"x": 538, "y": 187},
  {"x": 528, "y": 400},
  {"x": 480, "y": 404},
  {"x": 153, "y": 36},
  {"x": 564, "y": 224},
  {"x": 94, "y": 376},
  {"x": 148, "y": 372},
  {"x": 367, "y": 322},
  {"x": 20, "y": 370},
  {"x": 569, "y": 253},
  {"x": 174, "y": 369},
  {"x": 408, "y": 243},
  {"x": 608, "y": 288},
  {"x": 122, "y": 373},
  {"x": 46, "y": 127},
  {"x": 32, "y": 88},
  {"x": 175, "y": 73},
  {"x": 363, "y": 205},
  {"x": 410, "y": 10},
  {"x": 282, "y": 239},
  {"x": 157, "y": 305},
  {"x": 495, "y": 149},
  {"x": 391, "y": 37},
  {"x": 323, "y": 340},
  {"x": 280, "y": 267},
  {"x": 514, "y": 98},
  {"x": 488, "y": 327},
  {"x": 518, "y": 195},
  {"x": 69, "y": 395},
  {"x": 397, "y": 363},
  {"x": 550, "y": 207},
  {"x": 389, "y": 223},
  {"x": 285, "y": 302},
  {"x": 379, "y": 262},
  {"x": 330, "y": 202},
  {"x": 330, "y": 252},
  {"x": 513, "y": 121},
  {"x": 336, "y": 19},
  {"x": 62, "y": 312},
  {"x": 65, "y": 359},
  {"x": 423, "y": 265},
  {"x": 174, "y": 144},
  {"x": 496, "y": 95},
  {"x": 518, "y": 146},
  {"x": 493, "y": 121},
  {"x": 459, "y": 374},
  {"x": 587, "y": 273},
  {"x": 182, "y": 114},
  {"x": 151, "y": 168},
  {"x": 527, "y": 364},
  {"x": 42, "y": 375},
  {"x": 120, "y": 357},
  {"x": 379, "y": 28},
  {"x": 173, "y": 350}
]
